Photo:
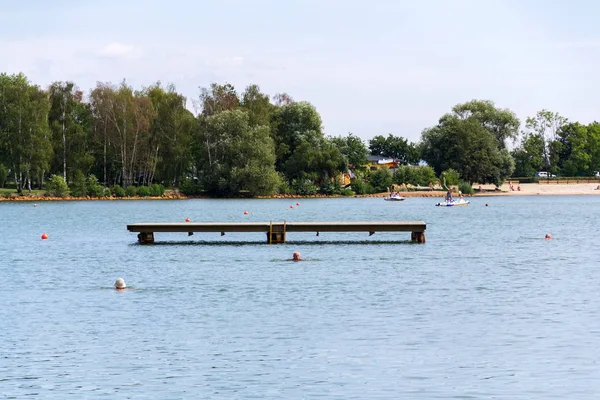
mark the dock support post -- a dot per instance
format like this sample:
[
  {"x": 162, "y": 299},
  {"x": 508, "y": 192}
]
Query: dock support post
[
  {"x": 418, "y": 237},
  {"x": 276, "y": 233},
  {"x": 146, "y": 237}
]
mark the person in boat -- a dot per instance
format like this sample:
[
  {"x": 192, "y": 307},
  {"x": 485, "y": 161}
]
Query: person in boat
[{"x": 449, "y": 195}]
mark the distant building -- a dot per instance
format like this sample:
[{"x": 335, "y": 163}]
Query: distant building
[{"x": 378, "y": 162}]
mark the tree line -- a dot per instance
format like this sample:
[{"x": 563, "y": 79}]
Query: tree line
[{"x": 249, "y": 142}]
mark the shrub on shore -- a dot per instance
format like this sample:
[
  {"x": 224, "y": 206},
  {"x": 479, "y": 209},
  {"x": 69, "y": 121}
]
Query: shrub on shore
[
  {"x": 361, "y": 187},
  {"x": 304, "y": 187},
  {"x": 78, "y": 185},
  {"x": 157, "y": 190},
  {"x": 189, "y": 187},
  {"x": 465, "y": 187},
  {"x": 381, "y": 179},
  {"x": 143, "y": 191},
  {"x": 118, "y": 191},
  {"x": 131, "y": 191},
  {"x": 93, "y": 187},
  {"x": 56, "y": 186}
]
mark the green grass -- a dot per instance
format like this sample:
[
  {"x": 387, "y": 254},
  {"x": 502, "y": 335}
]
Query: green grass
[{"x": 34, "y": 192}]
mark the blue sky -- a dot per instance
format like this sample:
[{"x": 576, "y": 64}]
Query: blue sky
[{"x": 370, "y": 67}]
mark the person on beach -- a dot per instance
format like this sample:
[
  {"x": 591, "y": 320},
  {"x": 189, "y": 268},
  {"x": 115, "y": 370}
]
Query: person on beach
[
  {"x": 120, "y": 284},
  {"x": 296, "y": 256}
]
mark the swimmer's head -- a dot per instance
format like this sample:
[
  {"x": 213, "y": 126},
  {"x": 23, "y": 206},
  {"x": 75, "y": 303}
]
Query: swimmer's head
[
  {"x": 296, "y": 256},
  {"x": 120, "y": 283},
  {"x": 548, "y": 236}
]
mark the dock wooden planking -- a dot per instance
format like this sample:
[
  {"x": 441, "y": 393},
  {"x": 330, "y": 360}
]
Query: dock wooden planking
[{"x": 276, "y": 231}]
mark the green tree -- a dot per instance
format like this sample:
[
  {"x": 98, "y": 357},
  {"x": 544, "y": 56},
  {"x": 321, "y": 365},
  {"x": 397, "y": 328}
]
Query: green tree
[
  {"x": 546, "y": 124},
  {"x": 317, "y": 159},
  {"x": 503, "y": 124},
  {"x": 353, "y": 149},
  {"x": 69, "y": 121},
  {"x": 257, "y": 105},
  {"x": 125, "y": 118},
  {"x": 235, "y": 156},
  {"x": 395, "y": 147},
  {"x": 24, "y": 131},
  {"x": 293, "y": 124},
  {"x": 218, "y": 98},
  {"x": 469, "y": 148},
  {"x": 529, "y": 156},
  {"x": 168, "y": 148}
]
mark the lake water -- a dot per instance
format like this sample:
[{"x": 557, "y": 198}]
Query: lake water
[{"x": 485, "y": 309}]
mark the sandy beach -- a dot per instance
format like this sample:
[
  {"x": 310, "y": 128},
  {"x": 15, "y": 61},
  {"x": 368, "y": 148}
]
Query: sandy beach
[{"x": 535, "y": 189}]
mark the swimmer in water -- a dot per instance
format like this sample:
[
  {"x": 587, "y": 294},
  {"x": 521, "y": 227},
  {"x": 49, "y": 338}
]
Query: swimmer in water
[
  {"x": 296, "y": 256},
  {"x": 548, "y": 237},
  {"x": 120, "y": 284}
]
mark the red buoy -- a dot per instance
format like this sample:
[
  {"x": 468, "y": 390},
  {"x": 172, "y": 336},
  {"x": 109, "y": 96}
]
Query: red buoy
[
  {"x": 297, "y": 204},
  {"x": 44, "y": 236},
  {"x": 245, "y": 212},
  {"x": 291, "y": 206},
  {"x": 187, "y": 220}
]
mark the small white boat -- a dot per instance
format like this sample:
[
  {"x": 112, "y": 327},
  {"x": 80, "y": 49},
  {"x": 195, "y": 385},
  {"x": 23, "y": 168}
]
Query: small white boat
[
  {"x": 395, "y": 197},
  {"x": 453, "y": 203}
]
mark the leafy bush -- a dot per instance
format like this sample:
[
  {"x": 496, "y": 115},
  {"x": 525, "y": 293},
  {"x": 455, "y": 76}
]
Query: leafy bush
[
  {"x": 143, "y": 191},
  {"x": 131, "y": 191},
  {"x": 331, "y": 187},
  {"x": 284, "y": 187},
  {"x": 347, "y": 192},
  {"x": 451, "y": 177},
  {"x": 118, "y": 191},
  {"x": 304, "y": 187},
  {"x": 381, "y": 179},
  {"x": 359, "y": 186},
  {"x": 465, "y": 187},
  {"x": 421, "y": 175},
  {"x": 157, "y": 190},
  {"x": 189, "y": 187},
  {"x": 94, "y": 188},
  {"x": 56, "y": 186},
  {"x": 78, "y": 187}
]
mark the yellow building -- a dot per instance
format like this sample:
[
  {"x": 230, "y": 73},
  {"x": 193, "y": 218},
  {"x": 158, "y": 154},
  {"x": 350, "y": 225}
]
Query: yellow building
[{"x": 378, "y": 162}]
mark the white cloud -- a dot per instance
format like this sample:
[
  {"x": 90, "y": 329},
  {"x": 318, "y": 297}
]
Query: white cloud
[{"x": 119, "y": 50}]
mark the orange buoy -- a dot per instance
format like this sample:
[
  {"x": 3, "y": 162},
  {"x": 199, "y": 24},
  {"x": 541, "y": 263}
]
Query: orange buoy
[
  {"x": 187, "y": 220},
  {"x": 245, "y": 212},
  {"x": 44, "y": 236}
]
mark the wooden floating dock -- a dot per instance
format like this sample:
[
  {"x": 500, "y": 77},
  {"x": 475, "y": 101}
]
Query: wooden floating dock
[{"x": 277, "y": 231}]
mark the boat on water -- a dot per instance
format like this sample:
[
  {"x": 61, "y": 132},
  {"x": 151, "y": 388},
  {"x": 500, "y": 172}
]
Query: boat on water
[
  {"x": 394, "y": 197},
  {"x": 454, "y": 203}
]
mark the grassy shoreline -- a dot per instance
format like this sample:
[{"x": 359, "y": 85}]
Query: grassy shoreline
[{"x": 527, "y": 189}]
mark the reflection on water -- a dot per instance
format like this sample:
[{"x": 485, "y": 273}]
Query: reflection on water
[{"x": 485, "y": 309}]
